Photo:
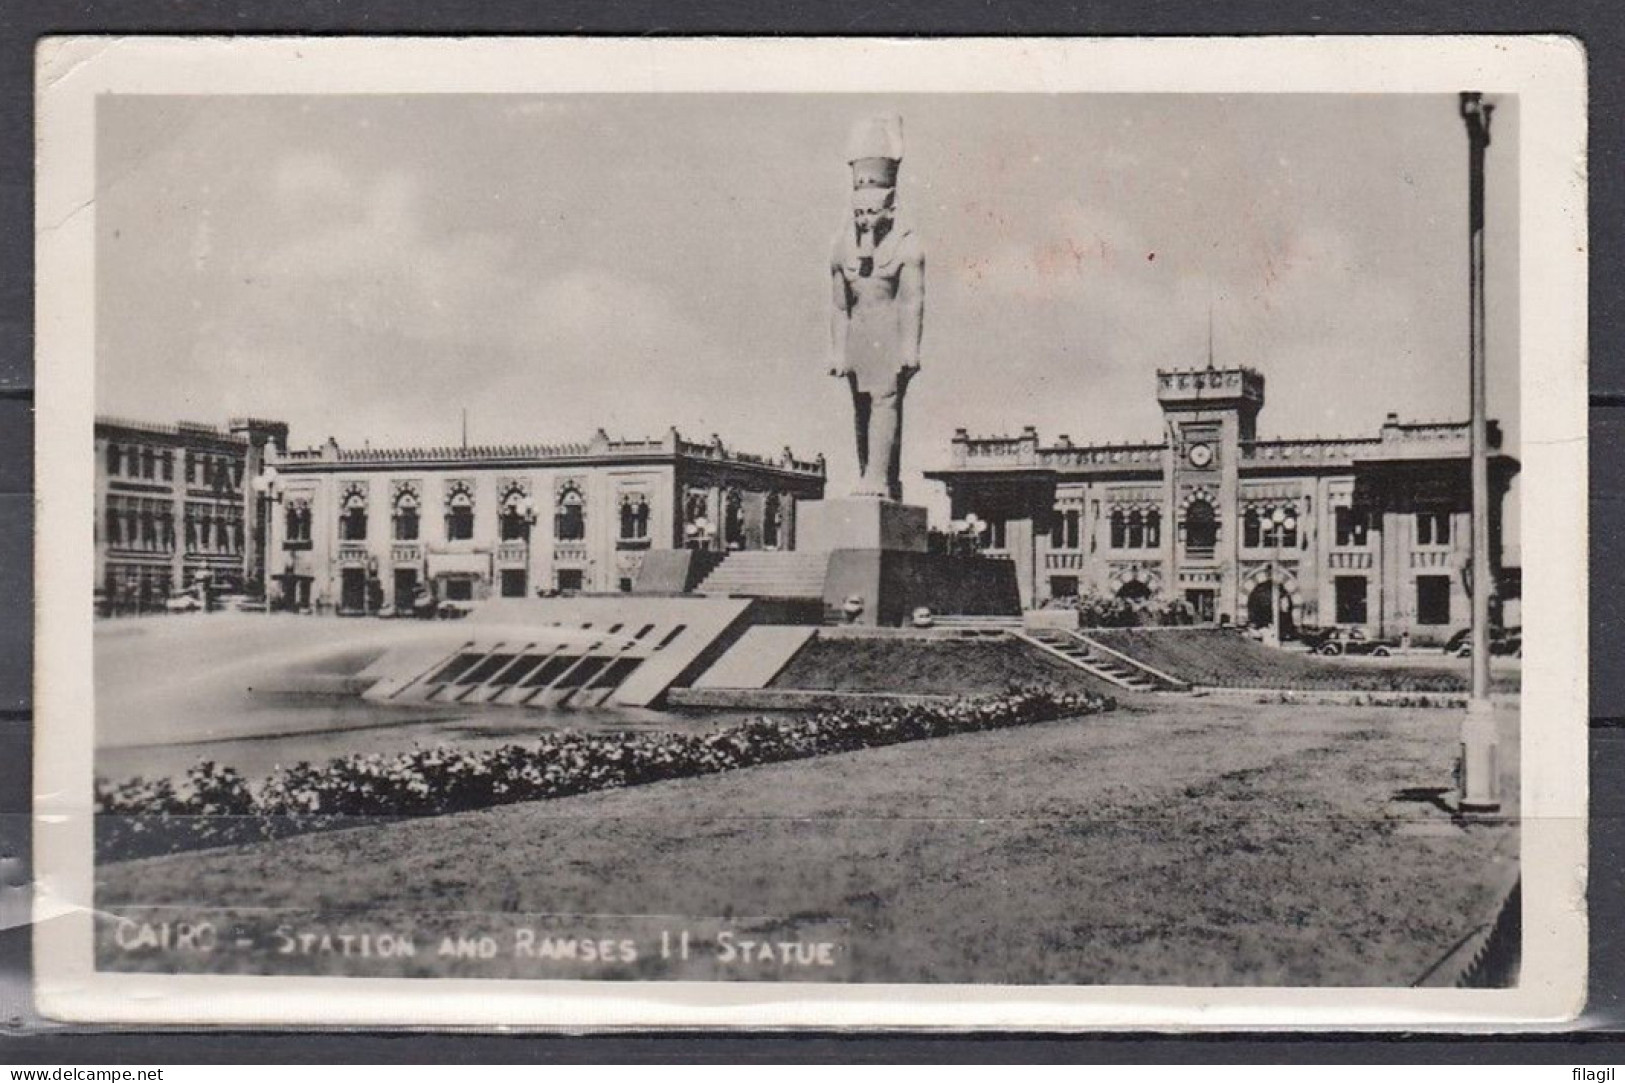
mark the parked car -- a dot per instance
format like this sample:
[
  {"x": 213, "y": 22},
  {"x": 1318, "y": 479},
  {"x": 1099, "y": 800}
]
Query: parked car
[
  {"x": 922, "y": 618},
  {"x": 183, "y": 602},
  {"x": 1503, "y": 641},
  {"x": 1351, "y": 641}
]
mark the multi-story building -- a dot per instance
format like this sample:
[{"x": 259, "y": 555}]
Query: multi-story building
[
  {"x": 1370, "y": 532},
  {"x": 359, "y": 529},
  {"x": 173, "y": 508}
]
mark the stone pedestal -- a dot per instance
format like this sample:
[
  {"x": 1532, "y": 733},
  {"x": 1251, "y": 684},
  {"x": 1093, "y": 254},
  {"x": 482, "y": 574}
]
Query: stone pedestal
[{"x": 861, "y": 523}]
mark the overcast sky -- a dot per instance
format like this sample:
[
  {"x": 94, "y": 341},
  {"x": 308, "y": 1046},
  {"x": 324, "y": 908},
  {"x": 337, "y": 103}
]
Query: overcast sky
[{"x": 366, "y": 267}]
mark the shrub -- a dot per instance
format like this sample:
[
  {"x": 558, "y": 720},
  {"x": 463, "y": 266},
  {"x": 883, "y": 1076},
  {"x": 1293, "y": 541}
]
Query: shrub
[
  {"x": 215, "y": 806},
  {"x": 1097, "y": 610}
]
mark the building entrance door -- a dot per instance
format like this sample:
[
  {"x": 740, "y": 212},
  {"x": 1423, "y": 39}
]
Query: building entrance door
[
  {"x": 353, "y": 590},
  {"x": 406, "y": 589},
  {"x": 1259, "y": 604},
  {"x": 1201, "y": 602}
]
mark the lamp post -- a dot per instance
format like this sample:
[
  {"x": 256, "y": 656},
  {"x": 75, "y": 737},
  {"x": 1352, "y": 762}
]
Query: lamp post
[
  {"x": 968, "y": 533},
  {"x": 1480, "y": 769},
  {"x": 698, "y": 533},
  {"x": 1282, "y": 521},
  {"x": 268, "y": 485}
]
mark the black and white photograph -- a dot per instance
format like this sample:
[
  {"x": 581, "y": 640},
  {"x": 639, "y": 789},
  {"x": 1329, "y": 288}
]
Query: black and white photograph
[{"x": 1025, "y": 533}]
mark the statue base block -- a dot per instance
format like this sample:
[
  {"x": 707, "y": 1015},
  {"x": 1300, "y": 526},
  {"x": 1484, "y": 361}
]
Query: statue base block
[{"x": 861, "y": 523}]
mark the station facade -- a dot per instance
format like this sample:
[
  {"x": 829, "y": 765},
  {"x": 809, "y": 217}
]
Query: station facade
[
  {"x": 1369, "y": 532},
  {"x": 357, "y": 530}
]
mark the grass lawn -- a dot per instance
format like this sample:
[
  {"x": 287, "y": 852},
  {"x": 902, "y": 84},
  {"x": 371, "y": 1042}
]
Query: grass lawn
[
  {"x": 1183, "y": 842},
  {"x": 941, "y": 666},
  {"x": 1225, "y": 659}
]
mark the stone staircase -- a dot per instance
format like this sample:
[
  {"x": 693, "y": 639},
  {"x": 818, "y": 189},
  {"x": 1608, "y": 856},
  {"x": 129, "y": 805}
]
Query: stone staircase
[
  {"x": 1109, "y": 666},
  {"x": 975, "y": 626},
  {"x": 766, "y": 573}
]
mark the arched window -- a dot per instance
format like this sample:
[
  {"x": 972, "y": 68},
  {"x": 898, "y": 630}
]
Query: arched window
[
  {"x": 570, "y": 517},
  {"x": 1252, "y": 530},
  {"x": 1153, "y": 530},
  {"x": 353, "y": 517},
  {"x": 1136, "y": 530},
  {"x": 1134, "y": 592},
  {"x": 407, "y": 516},
  {"x": 517, "y": 514},
  {"x": 460, "y": 512},
  {"x": 1119, "y": 530},
  {"x": 634, "y": 517},
  {"x": 1201, "y": 529}
]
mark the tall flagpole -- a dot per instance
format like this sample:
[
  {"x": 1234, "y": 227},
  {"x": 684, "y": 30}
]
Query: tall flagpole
[{"x": 1480, "y": 766}]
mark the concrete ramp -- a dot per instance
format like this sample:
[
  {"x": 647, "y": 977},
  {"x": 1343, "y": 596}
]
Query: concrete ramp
[
  {"x": 756, "y": 657},
  {"x": 564, "y": 652}
]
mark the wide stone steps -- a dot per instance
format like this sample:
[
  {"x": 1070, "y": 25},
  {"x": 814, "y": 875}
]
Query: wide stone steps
[
  {"x": 976, "y": 626},
  {"x": 768, "y": 574},
  {"x": 1074, "y": 649}
]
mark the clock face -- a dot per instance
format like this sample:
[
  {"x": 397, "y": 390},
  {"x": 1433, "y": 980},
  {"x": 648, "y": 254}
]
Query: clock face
[{"x": 1200, "y": 454}]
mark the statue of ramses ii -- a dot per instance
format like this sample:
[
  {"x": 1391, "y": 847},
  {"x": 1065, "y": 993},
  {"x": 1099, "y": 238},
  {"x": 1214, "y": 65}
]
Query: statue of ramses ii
[{"x": 877, "y": 270}]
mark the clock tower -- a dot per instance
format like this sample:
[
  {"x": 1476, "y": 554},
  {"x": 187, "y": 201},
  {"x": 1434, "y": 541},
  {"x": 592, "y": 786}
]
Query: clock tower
[{"x": 1209, "y": 415}]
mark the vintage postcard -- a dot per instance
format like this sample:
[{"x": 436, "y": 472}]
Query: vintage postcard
[{"x": 827, "y": 533}]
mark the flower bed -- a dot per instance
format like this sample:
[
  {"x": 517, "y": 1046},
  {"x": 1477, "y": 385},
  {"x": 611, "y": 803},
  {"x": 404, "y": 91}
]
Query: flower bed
[{"x": 215, "y": 806}]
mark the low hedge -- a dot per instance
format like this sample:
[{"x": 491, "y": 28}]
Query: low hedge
[{"x": 214, "y": 806}]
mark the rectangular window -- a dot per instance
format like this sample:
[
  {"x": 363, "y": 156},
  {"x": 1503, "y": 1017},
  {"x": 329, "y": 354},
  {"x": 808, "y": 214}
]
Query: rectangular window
[
  {"x": 459, "y": 590},
  {"x": 1353, "y": 528},
  {"x": 1066, "y": 532},
  {"x": 513, "y": 582},
  {"x": 406, "y": 524},
  {"x": 1251, "y": 534},
  {"x": 1433, "y": 599},
  {"x": 1119, "y": 530},
  {"x": 169, "y": 466},
  {"x": 1432, "y": 528},
  {"x": 1063, "y": 586},
  {"x": 569, "y": 579},
  {"x": 1351, "y": 596}
]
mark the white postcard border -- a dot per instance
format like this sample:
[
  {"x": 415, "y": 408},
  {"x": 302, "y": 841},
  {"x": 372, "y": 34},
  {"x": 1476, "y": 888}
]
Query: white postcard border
[{"x": 1547, "y": 74}]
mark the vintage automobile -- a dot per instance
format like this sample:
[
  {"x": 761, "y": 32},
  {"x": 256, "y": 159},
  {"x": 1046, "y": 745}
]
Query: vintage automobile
[
  {"x": 184, "y": 601},
  {"x": 1351, "y": 641},
  {"x": 1503, "y": 641}
]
